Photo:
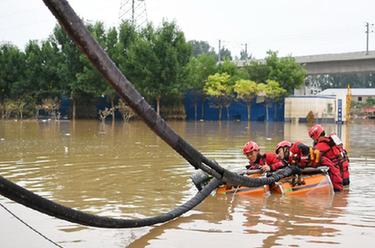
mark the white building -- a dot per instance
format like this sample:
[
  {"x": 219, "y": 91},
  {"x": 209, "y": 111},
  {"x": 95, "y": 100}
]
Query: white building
[
  {"x": 298, "y": 107},
  {"x": 358, "y": 94},
  {"x": 327, "y": 106}
]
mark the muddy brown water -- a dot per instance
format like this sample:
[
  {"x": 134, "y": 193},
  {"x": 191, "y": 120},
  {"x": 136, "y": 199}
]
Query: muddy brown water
[{"x": 126, "y": 171}]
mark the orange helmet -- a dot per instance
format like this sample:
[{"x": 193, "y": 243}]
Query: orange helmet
[
  {"x": 316, "y": 131},
  {"x": 282, "y": 144},
  {"x": 249, "y": 147}
]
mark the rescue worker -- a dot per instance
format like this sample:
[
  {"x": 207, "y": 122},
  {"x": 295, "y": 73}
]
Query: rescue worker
[
  {"x": 331, "y": 147},
  {"x": 297, "y": 153},
  {"x": 266, "y": 162},
  {"x": 304, "y": 156}
]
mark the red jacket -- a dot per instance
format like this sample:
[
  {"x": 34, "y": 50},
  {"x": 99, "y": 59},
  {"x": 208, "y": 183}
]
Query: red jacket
[
  {"x": 328, "y": 159},
  {"x": 267, "y": 158},
  {"x": 336, "y": 154},
  {"x": 306, "y": 156}
]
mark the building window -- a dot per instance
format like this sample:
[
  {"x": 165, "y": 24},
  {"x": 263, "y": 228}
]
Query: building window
[{"x": 359, "y": 99}]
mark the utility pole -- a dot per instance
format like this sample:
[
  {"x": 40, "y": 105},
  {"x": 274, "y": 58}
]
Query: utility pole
[
  {"x": 133, "y": 11},
  {"x": 219, "y": 53},
  {"x": 247, "y": 56},
  {"x": 367, "y": 35},
  {"x": 367, "y": 38}
]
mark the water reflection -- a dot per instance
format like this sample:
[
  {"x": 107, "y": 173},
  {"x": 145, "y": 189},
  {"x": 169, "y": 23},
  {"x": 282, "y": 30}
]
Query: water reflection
[{"x": 127, "y": 171}]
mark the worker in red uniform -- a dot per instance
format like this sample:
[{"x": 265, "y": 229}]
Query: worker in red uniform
[
  {"x": 304, "y": 156},
  {"x": 267, "y": 161},
  {"x": 331, "y": 147}
]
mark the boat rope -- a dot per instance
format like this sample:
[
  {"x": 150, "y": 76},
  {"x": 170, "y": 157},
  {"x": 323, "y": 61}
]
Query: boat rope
[
  {"x": 30, "y": 227},
  {"x": 234, "y": 194},
  {"x": 77, "y": 31}
]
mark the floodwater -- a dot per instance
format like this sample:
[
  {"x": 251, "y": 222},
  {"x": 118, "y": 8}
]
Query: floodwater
[{"x": 126, "y": 171}]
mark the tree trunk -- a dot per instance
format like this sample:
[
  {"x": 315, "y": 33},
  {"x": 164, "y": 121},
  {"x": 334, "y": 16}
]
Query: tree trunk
[
  {"x": 248, "y": 111},
  {"x": 158, "y": 105},
  {"x": 267, "y": 113},
  {"x": 202, "y": 113},
  {"x": 274, "y": 113},
  {"x": 113, "y": 110},
  {"x": 220, "y": 111},
  {"x": 37, "y": 113},
  {"x": 227, "y": 108},
  {"x": 74, "y": 109},
  {"x": 195, "y": 111}
]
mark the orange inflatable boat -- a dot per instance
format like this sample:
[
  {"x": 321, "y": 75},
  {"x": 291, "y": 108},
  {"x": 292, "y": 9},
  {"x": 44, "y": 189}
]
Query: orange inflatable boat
[{"x": 311, "y": 181}]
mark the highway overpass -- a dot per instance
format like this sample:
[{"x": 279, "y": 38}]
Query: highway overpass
[{"x": 354, "y": 62}]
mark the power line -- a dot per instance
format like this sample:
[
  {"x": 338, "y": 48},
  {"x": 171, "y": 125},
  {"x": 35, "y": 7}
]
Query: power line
[{"x": 30, "y": 227}]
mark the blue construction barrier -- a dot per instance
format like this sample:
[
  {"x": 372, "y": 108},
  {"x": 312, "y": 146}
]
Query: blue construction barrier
[{"x": 237, "y": 110}]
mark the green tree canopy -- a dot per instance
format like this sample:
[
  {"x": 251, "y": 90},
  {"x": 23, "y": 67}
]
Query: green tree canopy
[
  {"x": 158, "y": 59},
  {"x": 12, "y": 64},
  {"x": 200, "y": 48},
  {"x": 258, "y": 71},
  {"x": 246, "y": 90},
  {"x": 225, "y": 54},
  {"x": 272, "y": 91},
  {"x": 219, "y": 87},
  {"x": 285, "y": 70}
]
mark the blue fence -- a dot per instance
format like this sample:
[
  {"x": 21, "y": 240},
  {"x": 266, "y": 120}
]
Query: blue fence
[
  {"x": 206, "y": 111},
  {"x": 237, "y": 110}
]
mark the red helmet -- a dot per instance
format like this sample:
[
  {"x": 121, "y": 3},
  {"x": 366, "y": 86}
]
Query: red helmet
[
  {"x": 315, "y": 131},
  {"x": 283, "y": 143},
  {"x": 249, "y": 147}
]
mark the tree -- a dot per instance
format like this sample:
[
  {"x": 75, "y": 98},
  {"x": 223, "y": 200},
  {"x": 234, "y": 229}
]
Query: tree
[
  {"x": 258, "y": 71},
  {"x": 34, "y": 81},
  {"x": 158, "y": 58},
  {"x": 272, "y": 92},
  {"x": 244, "y": 55},
  {"x": 230, "y": 68},
  {"x": 127, "y": 37},
  {"x": 51, "y": 83},
  {"x": 246, "y": 91},
  {"x": 286, "y": 71},
  {"x": 197, "y": 71},
  {"x": 70, "y": 66},
  {"x": 220, "y": 88},
  {"x": 12, "y": 70},
  {"x": 201, "y": 48},
  {"x": 225, "y": 54}
]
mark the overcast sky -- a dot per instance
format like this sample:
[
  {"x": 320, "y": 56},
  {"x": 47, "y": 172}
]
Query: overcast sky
[{"x": 292, "y": 27}]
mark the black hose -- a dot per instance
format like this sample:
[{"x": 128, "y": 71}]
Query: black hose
[
  {"x": 256, "y": 182},
  {"x": 43, "y": 205}
]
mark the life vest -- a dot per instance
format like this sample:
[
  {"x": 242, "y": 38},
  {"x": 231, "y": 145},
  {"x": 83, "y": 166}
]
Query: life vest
[
  {"x": 336, "y": 152},
  {"x": 303, "y": 155}
]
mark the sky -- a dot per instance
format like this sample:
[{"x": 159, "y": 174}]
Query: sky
[{"x": 291, "y": 27}]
